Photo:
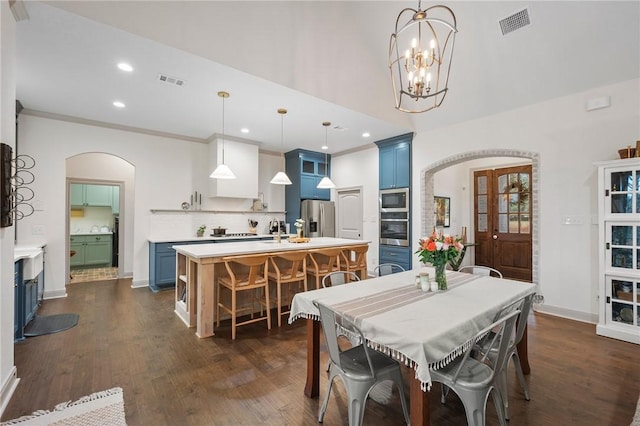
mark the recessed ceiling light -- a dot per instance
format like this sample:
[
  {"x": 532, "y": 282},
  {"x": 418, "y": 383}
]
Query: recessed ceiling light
[
  {"x": 118, "y": 104},
  {"x": 244, "y": 130},
  {"x": 366, "y": 135},
  {"x": 125, "y": 67},
  {"x": 324, "y": 147}
]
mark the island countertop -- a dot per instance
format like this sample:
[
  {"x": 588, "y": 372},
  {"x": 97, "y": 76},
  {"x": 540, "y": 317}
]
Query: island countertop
[{"x": 200, "y": 251}]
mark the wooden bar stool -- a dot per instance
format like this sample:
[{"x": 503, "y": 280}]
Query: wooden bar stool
[
  {"x": 246, "y": 274},
  {"x": 355, "y": 259},
  {"x": 323, "y": 261},
  {"x": 288, "y": 268}
]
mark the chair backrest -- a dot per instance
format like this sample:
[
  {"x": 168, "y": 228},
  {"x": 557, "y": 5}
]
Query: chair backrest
[
  {"x": 387, "y": 268},
  {"x": 525, "y": 308},
  {"x": 338, "y": 278},
  {"x": 330, "y": 322},
  {"x": 292, "y": 264},
  {"x": 496, "y": 341},
  {"x": 258, "y": 268},
  {"x": 359, "y": 257},
  {"x": 481, "y": 270},
  {"x": 328, "y": 258}
]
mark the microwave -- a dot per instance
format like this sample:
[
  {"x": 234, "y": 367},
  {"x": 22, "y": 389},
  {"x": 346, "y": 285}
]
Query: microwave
[{"x": 394, "y": 199}]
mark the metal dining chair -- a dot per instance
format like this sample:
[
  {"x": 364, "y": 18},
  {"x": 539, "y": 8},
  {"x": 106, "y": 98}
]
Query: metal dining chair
[
  {"x": 339, "y": 278},
  {"x": 481, "y": 270},
  {"x": 387, "y": 269},
  {"x": 474, "y": 379},
  {"x": 359, "y": 367}
]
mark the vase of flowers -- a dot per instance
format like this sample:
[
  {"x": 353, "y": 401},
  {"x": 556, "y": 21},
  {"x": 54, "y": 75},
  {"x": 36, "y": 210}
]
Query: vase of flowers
[
  {"x": 299, "y": 224},
  {"x": 200, "y": 231},
  {"x": 438, "y": 249}
]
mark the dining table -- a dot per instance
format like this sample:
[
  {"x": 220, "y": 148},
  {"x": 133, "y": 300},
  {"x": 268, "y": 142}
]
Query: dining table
[{"x": 423, "y": 330}]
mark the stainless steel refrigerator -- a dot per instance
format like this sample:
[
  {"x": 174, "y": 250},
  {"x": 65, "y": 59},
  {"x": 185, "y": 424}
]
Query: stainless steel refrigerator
[{"x": 319, "y": 218}]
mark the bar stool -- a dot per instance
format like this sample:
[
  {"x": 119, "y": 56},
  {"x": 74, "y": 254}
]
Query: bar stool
[
  {"x": 246, "y": 274},
  {"x": 288, "y": 268},
  {"x": 323, "y": 261},
  {"x": 355, "y": 258}
]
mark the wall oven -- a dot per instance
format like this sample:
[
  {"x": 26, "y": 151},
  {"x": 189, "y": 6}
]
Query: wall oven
[{"x": 394, "y": 217}]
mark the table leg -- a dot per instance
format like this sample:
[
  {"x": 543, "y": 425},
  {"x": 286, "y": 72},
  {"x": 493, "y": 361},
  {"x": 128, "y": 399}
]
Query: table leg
[
  {"x": 312, "y": 387},
  {"x": 523, "y": 352},
  {"x": 419, "y": 404},
  {"x": 205, "y": 301}
]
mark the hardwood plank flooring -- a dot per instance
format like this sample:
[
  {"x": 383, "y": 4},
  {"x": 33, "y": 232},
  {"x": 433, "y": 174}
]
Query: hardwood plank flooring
[{"x": 131, "y": 338}]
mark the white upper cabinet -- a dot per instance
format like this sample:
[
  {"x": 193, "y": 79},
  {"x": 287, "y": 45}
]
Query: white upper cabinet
[{"x": 242, "y": 159}]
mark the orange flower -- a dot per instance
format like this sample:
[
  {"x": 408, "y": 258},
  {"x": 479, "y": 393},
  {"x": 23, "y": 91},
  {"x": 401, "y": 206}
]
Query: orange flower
[{"x": 431, "y": 245}]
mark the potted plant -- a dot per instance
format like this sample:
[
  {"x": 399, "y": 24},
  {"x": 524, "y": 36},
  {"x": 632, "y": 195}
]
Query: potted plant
[
  {"x": 200, "y": 231},
  {"x": 299, "y": 224}
]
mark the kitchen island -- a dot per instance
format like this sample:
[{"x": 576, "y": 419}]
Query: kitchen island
[{"x": 197, "y": 266}]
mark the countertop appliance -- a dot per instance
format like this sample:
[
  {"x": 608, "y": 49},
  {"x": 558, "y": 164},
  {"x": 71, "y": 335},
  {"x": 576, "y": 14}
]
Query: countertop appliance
[{"x": 319, "y": 218}]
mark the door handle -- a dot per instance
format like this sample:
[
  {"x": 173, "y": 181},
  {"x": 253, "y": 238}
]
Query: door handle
[{"x": 495, "y": 237}]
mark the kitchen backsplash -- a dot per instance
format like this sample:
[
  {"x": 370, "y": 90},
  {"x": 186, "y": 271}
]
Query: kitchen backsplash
[{"x": 91, "y": 216}]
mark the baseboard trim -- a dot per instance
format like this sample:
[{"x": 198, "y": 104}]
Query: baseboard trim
[
  {"x": 567, "y": 313},
  {"x": 54, "y": 294},
  {"x": 139, "y": 284},
  {"x": 8, "y": 388}
]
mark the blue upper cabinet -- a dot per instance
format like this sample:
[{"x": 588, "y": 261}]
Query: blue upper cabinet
[
  {"x": 395, "y": 161},
  {"x": 305, "y": 169}
]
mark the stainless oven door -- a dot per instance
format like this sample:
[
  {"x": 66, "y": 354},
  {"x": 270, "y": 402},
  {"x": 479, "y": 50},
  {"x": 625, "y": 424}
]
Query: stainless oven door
[{"x": 394, "y": 232}]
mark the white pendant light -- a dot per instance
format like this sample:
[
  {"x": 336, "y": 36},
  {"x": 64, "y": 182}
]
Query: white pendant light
[
  {"x": 222, "y": 171},
  {"x": 325, "y": 182},
  {"x": 281, "y": 177}
]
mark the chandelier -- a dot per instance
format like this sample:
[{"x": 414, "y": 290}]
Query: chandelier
[
  {"x": 222, "y": 171},
  {"x": 420, "y": 54}
]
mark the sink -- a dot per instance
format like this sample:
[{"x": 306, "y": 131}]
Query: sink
[{"x": 32, "y": 263}]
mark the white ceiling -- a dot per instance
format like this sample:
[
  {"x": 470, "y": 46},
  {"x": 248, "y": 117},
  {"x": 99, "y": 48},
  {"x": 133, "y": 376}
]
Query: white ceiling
[{"x": 323, "y": 61}]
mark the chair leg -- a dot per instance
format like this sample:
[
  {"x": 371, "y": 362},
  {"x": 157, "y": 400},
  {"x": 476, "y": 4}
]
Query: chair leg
[
  {"x": 323, "y": 408},
  {"x": 218, "y": 305},
  {"x": 475, "y": 406},
  {"x": 357, "y": 394},
  {"x": 397, "y": 378},
  {"x": 279, "y": 299},
  {"x": 233, "y": 315},
  {"x": 266, "y": 298},
  {"x": 523, "y": 384},
  {"x": 500, "y": 404}
]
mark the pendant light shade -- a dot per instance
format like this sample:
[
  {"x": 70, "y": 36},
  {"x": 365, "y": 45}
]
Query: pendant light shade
[
  {"x": 281, "y": 177},
  {"x": 222, "y": 171},
  {"x": 325, "y": 182}
]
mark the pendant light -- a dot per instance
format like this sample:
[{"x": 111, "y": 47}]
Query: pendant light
[
  {"x": 281, "y": 177},
  {"x": 222, "y": 171},
  {"x": 326, "y": 183}
]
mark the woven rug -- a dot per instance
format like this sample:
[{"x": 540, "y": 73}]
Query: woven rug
[
  {"x": 50, "y": 324},
  {"x": 636, "y": 418},
  {"x": 99, "y": 409}
]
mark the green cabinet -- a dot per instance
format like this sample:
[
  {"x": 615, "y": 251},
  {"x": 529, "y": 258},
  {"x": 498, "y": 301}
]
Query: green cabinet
[
  {"x": 115, "y": 200},
  {"x": 395, "y": 162},
  {"x": 305, "y": 169},
  {"x": 91, "y": 251},
  {"x": 90, "y": 195}
]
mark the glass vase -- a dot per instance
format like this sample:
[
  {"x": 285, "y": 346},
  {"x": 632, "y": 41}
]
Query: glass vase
[
  {"x": 441, "y": 276},
  {"x": 300, "y": 233}
]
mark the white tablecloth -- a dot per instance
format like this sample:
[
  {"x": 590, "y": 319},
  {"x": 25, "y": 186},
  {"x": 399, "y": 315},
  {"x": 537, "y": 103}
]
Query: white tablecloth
[{"x": 423, "y": 329}]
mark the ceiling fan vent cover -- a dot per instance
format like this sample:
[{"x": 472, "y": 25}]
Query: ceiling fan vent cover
[
  {"x": 174, "y": 81},
  {"x": 515, "y": 21}
]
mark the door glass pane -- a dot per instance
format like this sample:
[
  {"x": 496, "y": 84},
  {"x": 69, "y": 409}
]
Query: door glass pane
[
  {"x": 622, "y": 258},
  {"x": 482, "y": 185},
  {"x": 502, "y": 223},
  {"x": 622, "y": 290},
  {"x": 621, "y": 203},
  {"x": 638, "y": 297},
  {"x": 622, "y": 312},
  {"x": 482, "y": 223},
  {"x": 513, "y": 182},
  {"x": 513, "y": 203},
  {"x": 482, "y": 204},
  {"x": 308, "y": 167},
  {"x": 621, "y": 181},
  {"x": 502, "y": 203},
  {"x": 524, "y": 182},
  {"x": 637, "y": 202},
  {"x": 514, "y": 224},
  {"x": 321, "y": 168},
  {"x": 525, "y": 224},
  {"x": 622, "y": 235},
  {"x": 637, "y": 186},
  {"x": 502, "y": 184}
]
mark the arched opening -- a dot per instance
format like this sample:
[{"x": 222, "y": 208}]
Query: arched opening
[
  {"x": 427, "y": 191},
  {"x": 110, "y": 219}
]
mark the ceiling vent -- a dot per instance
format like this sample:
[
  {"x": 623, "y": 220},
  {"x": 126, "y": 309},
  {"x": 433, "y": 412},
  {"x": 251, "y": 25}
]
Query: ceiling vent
[
  {"x": 515, "y": 21},
  {"x": 170, "y": 80}
]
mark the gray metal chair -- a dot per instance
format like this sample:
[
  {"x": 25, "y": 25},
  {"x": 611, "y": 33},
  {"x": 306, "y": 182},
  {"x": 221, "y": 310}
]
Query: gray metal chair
[
  {"x": 481, "y": 270},
  {"x": 359, "y": 367},
  {"x": 474, "y": 379},
  {"x": 387, "y": 268},
  {"x": 338, "y": 278},
  {"x": 524, "y": 305}
]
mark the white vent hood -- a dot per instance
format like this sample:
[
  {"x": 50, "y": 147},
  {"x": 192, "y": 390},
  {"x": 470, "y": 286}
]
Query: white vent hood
[{"x": 242, "y": 159}]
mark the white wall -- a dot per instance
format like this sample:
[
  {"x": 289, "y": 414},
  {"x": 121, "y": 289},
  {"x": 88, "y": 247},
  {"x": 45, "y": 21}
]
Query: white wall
[
  {"x": 167, "y": 172},
  {"x": 568, "y": 140},
  {"x": 8, "y": 380}
]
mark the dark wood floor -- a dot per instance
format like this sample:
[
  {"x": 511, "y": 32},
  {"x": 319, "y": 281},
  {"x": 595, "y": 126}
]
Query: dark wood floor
[{"x": 131, "y": 338}]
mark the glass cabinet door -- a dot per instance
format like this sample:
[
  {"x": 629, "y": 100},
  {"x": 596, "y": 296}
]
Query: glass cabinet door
[
  {"x": 623, "y": 187},
  {"x": 623, "y": 246},
  {"x": 623, "y": 301}
]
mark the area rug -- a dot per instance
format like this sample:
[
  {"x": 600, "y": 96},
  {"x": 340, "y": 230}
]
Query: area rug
[
  {"x": 99, "y": 409},
  {"x": 50, "y": 324},
  {"x": 636, "y": 418}
]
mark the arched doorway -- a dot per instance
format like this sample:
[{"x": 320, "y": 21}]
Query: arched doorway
[
  {"x": 103, "y": 171},
  {"x": 427, "y": 191}
]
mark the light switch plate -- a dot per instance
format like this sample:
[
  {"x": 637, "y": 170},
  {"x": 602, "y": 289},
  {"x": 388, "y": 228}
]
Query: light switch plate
[{"x": 572, "y": 220}]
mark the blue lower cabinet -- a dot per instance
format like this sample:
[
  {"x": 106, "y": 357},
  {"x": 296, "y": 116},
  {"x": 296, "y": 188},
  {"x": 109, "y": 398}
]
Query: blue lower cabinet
[
  {"x": 31, "y": 298},
  {"x": 18, "y": 302},
  {"x": 396, "y": 254}
]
